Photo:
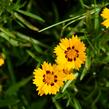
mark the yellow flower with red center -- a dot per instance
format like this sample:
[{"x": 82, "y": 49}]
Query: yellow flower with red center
[
  {"x": 68, "y": 74},
  {"x": 47, "y": 79},
  {"x": 70, "y": 53},
  {"x": 105, "y": 15}
]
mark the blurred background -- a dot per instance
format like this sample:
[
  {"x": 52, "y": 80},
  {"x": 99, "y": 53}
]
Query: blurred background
[{"x": 29, "y": 31}]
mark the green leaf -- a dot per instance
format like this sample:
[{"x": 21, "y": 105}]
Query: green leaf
[
  {"x": 38, "y": 59},
  {"x": 8, "y": 102},
  {"x": 37, "y": 48},
  {"x": 29, "y": 39},
  {"x": 7, "y": 32},
  {"x": 39, "y": 103},
  {"x": 58, "y": 106},
  {"x": 31, "y": 15},
  {"x": 7, "y": 37},
  {"x": 66, "y": 85},
  {"x": 25, "y": 22},
  {"x": 14, "y": 88},
  {"x": 86, "y": 68},
  {"x": 76, "y": 103}
]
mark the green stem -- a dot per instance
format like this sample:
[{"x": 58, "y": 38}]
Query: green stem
[
  {"x": 10, "y": 67},
  {"x": 67, "y": 20},
  {"x": 71, "y": 23},
  {"x": 56, "y": 103}
]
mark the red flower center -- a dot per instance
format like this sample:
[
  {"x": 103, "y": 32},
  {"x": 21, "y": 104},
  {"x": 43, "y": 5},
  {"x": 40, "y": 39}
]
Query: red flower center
[
  {"x": 50, "y": 78},
  {"x": 71, "y": 54}
]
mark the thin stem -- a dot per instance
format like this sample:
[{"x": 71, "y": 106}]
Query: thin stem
[
  {"x": 71, "y": 23},
  {"x": 64, "y": 21},
  {"x": 90, "y": 43},
  {"x": 83, "y": 5},
  {"x": 56, "y": 103},
  {"x": 10, "y": 67},
  {"x": 67, "y": 20}
]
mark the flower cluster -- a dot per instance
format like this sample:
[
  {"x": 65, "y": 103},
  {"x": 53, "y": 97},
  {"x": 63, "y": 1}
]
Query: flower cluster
[
  {"x": 70, "y": 54},
  {"x": 105, "y": 15}
]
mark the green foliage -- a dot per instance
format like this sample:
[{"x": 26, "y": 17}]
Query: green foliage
[{"x": 29, "y": 30}]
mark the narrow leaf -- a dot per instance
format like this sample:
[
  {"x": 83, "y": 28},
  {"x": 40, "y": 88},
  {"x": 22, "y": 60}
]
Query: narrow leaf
[
  {"x": 31, "y": 15},
  {"x": 14, "y": 88}
]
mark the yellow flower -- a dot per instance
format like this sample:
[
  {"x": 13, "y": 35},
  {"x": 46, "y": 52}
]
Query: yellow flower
[
  {"x": 70, "y": 53},
  {"x": 105, "y": 15},
  {"x": 1, "y": 60},
  {"x": 47, "y": 79},
  {"x": 67, "y": 73}
]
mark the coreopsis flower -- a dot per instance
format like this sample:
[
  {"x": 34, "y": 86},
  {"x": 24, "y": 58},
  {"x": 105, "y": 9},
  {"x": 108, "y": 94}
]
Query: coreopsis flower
[
  {"x": 68, "y": 74},
  {"x": 47, "y": 79},
  {"x": 1, "y": 60},
  {"x": 70, "y": 53},
  {"x": 105, "y": 15}
]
